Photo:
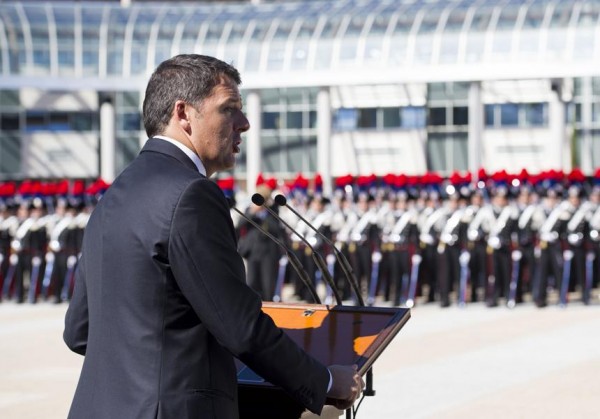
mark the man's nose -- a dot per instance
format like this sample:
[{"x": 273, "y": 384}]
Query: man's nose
[{"x": 243, "y": 124}]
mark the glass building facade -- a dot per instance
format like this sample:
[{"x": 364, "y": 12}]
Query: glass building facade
[{"x": 401, "y": 85}]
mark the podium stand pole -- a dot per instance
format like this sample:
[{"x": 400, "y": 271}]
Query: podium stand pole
[{"x": 369, "y": 390}]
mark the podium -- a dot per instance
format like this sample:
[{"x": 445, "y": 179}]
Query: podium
[{"x": 343, "y": 335}]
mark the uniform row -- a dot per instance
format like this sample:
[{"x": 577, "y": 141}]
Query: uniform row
[
  {"x": 497, "y": 247},
  {"x": 39, "y": 249},
  {"x": 494, "y": 247}
]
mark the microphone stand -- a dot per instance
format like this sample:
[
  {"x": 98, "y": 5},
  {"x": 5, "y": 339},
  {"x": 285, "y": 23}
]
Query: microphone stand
[
  {"x": 347, "y": 269},
  {"x": 259, "y": 200},
  {"x": 291, "y": 256},
  {"x": 345, "y": 265}
]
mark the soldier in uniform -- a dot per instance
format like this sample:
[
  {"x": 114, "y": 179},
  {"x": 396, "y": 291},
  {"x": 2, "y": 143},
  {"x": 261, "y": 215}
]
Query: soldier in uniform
[
  {"x": 30, "y": 244},
  {"x": 83, "y": 212},
  {"x": 452, "y": 242},
  {"x": 551, "y": 233},
  {"x": 477, "y": 233},
  {"x": 578, "y": 233},
  {"x": 320, "y": 216},
  {"x": 64, "y": 239},
  {"x": 301, "y": 203},
  {"x": 362, "y": 238},
  {"x": 501, "y": 238},
  {"x": 595, "y": 235},
  {"x": 530, "y": 221},
  {"x": 380, "y": 256},
  {"x": 431, "y": 222},
  {"x": 8, "y": 228},
  {"x": 344, "y": 221},
  {"x": 399, "y": 234},
  {"x": 336, "y": 223}
]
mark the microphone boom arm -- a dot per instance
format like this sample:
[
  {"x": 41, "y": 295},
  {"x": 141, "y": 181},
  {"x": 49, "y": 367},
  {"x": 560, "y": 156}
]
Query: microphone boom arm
[
  {"x": 345, "y": 265},
  {"x": 291, "y": 257},
  {"x": 257, "y": 199}
]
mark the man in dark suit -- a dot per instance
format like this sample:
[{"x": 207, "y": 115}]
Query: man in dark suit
[{"x": 160, "y": 306}]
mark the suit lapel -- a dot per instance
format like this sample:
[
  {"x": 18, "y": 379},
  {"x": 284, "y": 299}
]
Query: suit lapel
[{"x": 160, "y": 146}]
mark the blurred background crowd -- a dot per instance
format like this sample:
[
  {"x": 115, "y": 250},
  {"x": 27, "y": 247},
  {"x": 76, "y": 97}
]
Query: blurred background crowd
[
  {"x": 41, "y": 228},
  {"x": 498, "y": 239},
  {"x": 493, "y": 238}
]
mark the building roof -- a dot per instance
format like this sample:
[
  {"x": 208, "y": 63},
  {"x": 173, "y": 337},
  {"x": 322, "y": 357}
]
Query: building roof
[{"x": 309, "y": 42}]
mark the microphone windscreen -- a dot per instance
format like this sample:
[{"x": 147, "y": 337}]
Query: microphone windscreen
[
  {"x": 258, "y": 199},
  {"x": 280, "y": 200}
]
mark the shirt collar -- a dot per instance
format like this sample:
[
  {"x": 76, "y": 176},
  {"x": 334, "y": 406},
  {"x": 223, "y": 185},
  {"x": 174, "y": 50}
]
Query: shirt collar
[{"x": 193, "y": 156}]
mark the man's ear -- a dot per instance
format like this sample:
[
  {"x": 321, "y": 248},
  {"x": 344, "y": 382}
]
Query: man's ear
[{"x": 182, "y": 116}]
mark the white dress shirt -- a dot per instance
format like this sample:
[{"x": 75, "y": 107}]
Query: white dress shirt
[{"x": 193, "y": 156}]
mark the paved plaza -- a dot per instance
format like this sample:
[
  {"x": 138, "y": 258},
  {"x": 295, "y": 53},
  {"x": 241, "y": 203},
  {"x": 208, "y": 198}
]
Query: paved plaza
[{"x": 473, "y": 362}]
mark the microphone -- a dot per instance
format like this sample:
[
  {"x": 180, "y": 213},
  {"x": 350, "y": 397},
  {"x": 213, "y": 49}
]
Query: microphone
[
  {"x": 290, "y": 255},
  {"x": 259, "y": 200},
  {"x": 343, "y": 261}
]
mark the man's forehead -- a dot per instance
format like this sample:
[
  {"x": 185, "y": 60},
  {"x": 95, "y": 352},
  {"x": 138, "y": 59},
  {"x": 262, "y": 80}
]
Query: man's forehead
[{"x": 227, "y": 89}]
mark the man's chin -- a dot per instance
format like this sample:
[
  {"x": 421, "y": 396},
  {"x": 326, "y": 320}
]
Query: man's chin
[{"x": 229, "y": 164}]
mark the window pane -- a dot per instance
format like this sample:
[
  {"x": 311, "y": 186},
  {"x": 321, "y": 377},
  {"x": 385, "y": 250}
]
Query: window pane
[
  {"x": 271, "y": 120},
  {"x": 9, "y": 98},
  {"x": 489, "y": 115},
  {"x": 437, "y": 91},
  {"x": 130, "y": 99},
  {"x": 66, "y": 58},
  {"x": 391, "y": 117},
  {"x": 295, "y": 155},
  {"x": 82, "y": 121},
  {"x": 535, "y": 114},
  {"x": 578, "y": 112},
  {"x": 595, "y": 85},
  {"x": 35, "y": 121},
  {"x": 459, "y": 153},
  {"x": 460, "y": 90},
  {"x": 509, "y": 114},
  {"x": 437, "y": 152},
  {"x": 412, "y": 117},
  {"x": 269, "y": 97},
  {"x": 312, "y": 119},
  {"x": 294, "y": 120},
  {"x": 293, "y": 96},
  {"x": 115, "y": 61},
  {"x": 310, "y": 148},
  {"x": 90, "y": 62},
  {"x": 41, "y": 57},
  {"x": 59, "y": 121},
  {"x": 345, "y": 119},
  {"x": 595, "y": 148},
  {"x": 10, "y": 154},
  {"x": 437, "y": 116},
  {"x": 367, "y": 118},
  {"x": 271, "y": 153},
  {"x": 324, "y": 54},
  {"x": 9, "y": 122},
  {"x": 595, "y": 112},
  {"x": 460, "y": 115},
  {"x": 130, "y": 121},
  {"x": 577, "y": 86},
  {"x": 127, "y": 148}
]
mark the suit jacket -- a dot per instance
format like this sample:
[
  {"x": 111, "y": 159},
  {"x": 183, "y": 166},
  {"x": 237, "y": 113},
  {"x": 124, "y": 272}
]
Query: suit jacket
[{"x": 161, "y": 308}]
